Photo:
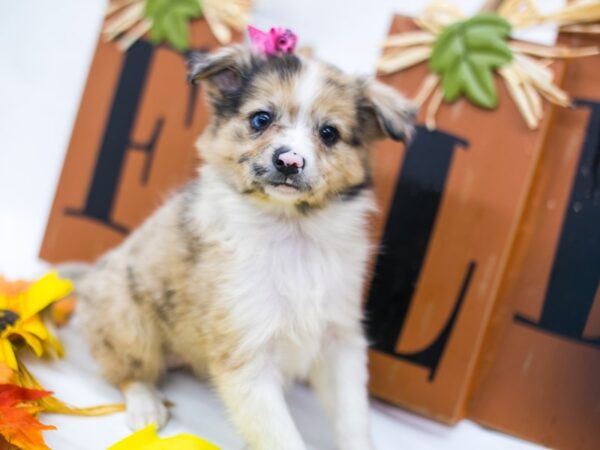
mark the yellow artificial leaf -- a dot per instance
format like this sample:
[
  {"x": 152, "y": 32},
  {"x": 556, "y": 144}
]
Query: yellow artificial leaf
[
  {"x": 54, "y": 346},
  {"x": 7, "y": 354},
  {"x": 20, "y": 321},
  {"x": 32, "y": 341},
  {"x": 48, "y": 289},
  {"x": 148, "y": 439},
  {"x": 35, "y": 326},
  {"x": 53, "y": 405}
]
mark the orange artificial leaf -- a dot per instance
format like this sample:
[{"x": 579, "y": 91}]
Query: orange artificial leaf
[
  {"x": 53, "y": 405},
  {"x": 11, "y": 395},
  {"x": 62, "y": 310},
  {"x": 18, "y": 424},
  {"x": 7, "y": 375}
]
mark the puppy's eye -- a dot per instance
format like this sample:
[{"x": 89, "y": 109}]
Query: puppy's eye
[
  {"x": 329, "y": 135},
  {"x": 260, "y": 120}
]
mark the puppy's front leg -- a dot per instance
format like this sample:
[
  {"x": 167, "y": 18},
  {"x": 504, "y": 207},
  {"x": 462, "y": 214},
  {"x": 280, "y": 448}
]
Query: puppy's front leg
[
  {"x": 253, "y": 395},
  {"x": 339, "y": 378}
]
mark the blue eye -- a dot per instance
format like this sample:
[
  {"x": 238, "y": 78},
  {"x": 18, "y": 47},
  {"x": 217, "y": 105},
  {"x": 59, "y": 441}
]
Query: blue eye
[
  {"x": 260, "y": 120},
  {"x": 329, "y": 135}
]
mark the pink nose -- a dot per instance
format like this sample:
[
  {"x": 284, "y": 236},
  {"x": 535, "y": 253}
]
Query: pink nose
[
  {"x": 292, "y": 159},
  {"x": 287, "y": 161}
]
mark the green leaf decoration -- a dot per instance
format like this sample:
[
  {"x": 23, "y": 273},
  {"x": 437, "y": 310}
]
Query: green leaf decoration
[
  {"x": 466, "y": 53},
  {"x": 170, "y": 21}
]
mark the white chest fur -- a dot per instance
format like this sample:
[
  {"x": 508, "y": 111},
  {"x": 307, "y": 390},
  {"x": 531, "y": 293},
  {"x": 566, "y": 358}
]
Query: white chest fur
[{"x": 290, "y": 279}]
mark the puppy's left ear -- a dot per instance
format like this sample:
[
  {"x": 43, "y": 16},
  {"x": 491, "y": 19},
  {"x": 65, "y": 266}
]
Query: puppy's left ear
[{"x": 394, "y": 113}]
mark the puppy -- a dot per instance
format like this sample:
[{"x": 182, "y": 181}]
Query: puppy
[{"x": 252, "y": 274}]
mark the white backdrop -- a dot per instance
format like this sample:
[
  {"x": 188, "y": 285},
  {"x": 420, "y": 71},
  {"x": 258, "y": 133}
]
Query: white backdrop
[{"x": 45, "y": 50}]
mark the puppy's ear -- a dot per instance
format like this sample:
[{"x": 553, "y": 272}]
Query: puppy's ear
[
  {"x": 394, "y": 113},
  {"x": 224, "y": 70}
]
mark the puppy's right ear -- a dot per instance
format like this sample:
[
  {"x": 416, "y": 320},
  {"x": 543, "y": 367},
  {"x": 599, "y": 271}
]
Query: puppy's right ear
[{"x": 223, "y": 70}]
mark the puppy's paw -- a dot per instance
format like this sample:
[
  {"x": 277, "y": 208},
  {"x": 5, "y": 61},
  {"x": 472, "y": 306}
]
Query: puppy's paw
[{"x": 144, "y": 406}]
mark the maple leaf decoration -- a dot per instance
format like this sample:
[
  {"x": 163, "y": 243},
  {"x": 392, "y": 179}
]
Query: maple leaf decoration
[
  {"x": 170, "y": 21},
  {"x": 465, "y": 55},
  {"x": 18, "y": 424}
]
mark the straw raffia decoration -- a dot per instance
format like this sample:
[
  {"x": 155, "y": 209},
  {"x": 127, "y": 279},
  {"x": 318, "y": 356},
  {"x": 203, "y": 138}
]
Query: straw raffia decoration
[{"x": 126, "y": 22}]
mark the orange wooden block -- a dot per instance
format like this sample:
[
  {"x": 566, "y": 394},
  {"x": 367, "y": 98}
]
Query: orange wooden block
[
  {"x": 132, "y": 144},
  {"x": 452, "y": 203}
]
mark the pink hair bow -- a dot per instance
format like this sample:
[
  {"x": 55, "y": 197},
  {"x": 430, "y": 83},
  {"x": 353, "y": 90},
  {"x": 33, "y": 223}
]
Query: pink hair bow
[{"x": 276, "y": 40}]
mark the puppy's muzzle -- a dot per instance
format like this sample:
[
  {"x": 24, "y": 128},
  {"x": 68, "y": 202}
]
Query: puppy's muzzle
[{"x": 287, "y": 162}]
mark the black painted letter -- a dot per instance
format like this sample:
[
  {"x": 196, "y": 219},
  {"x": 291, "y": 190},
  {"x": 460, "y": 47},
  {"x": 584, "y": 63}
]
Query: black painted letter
[
  {"x": 575, "y": 274},
  {"x": 405, "y": 240}
]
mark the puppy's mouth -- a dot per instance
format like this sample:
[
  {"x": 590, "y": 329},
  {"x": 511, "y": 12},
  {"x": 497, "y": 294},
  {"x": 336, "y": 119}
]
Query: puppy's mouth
[
  {"x": 290, "y": 183},
  {"x": 279, "y": 184},
  {"x": 286, "y": 187}
]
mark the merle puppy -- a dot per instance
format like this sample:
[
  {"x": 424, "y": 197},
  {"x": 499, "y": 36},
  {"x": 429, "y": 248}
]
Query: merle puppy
[{"x": 253, "y": 273}]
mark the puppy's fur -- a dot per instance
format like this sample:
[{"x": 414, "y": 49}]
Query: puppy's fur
[{"x": 251, "y": 276}]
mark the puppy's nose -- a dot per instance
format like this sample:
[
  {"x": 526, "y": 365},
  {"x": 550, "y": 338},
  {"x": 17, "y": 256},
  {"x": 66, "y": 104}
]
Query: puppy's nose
[{"x": 287, "y": 161}]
